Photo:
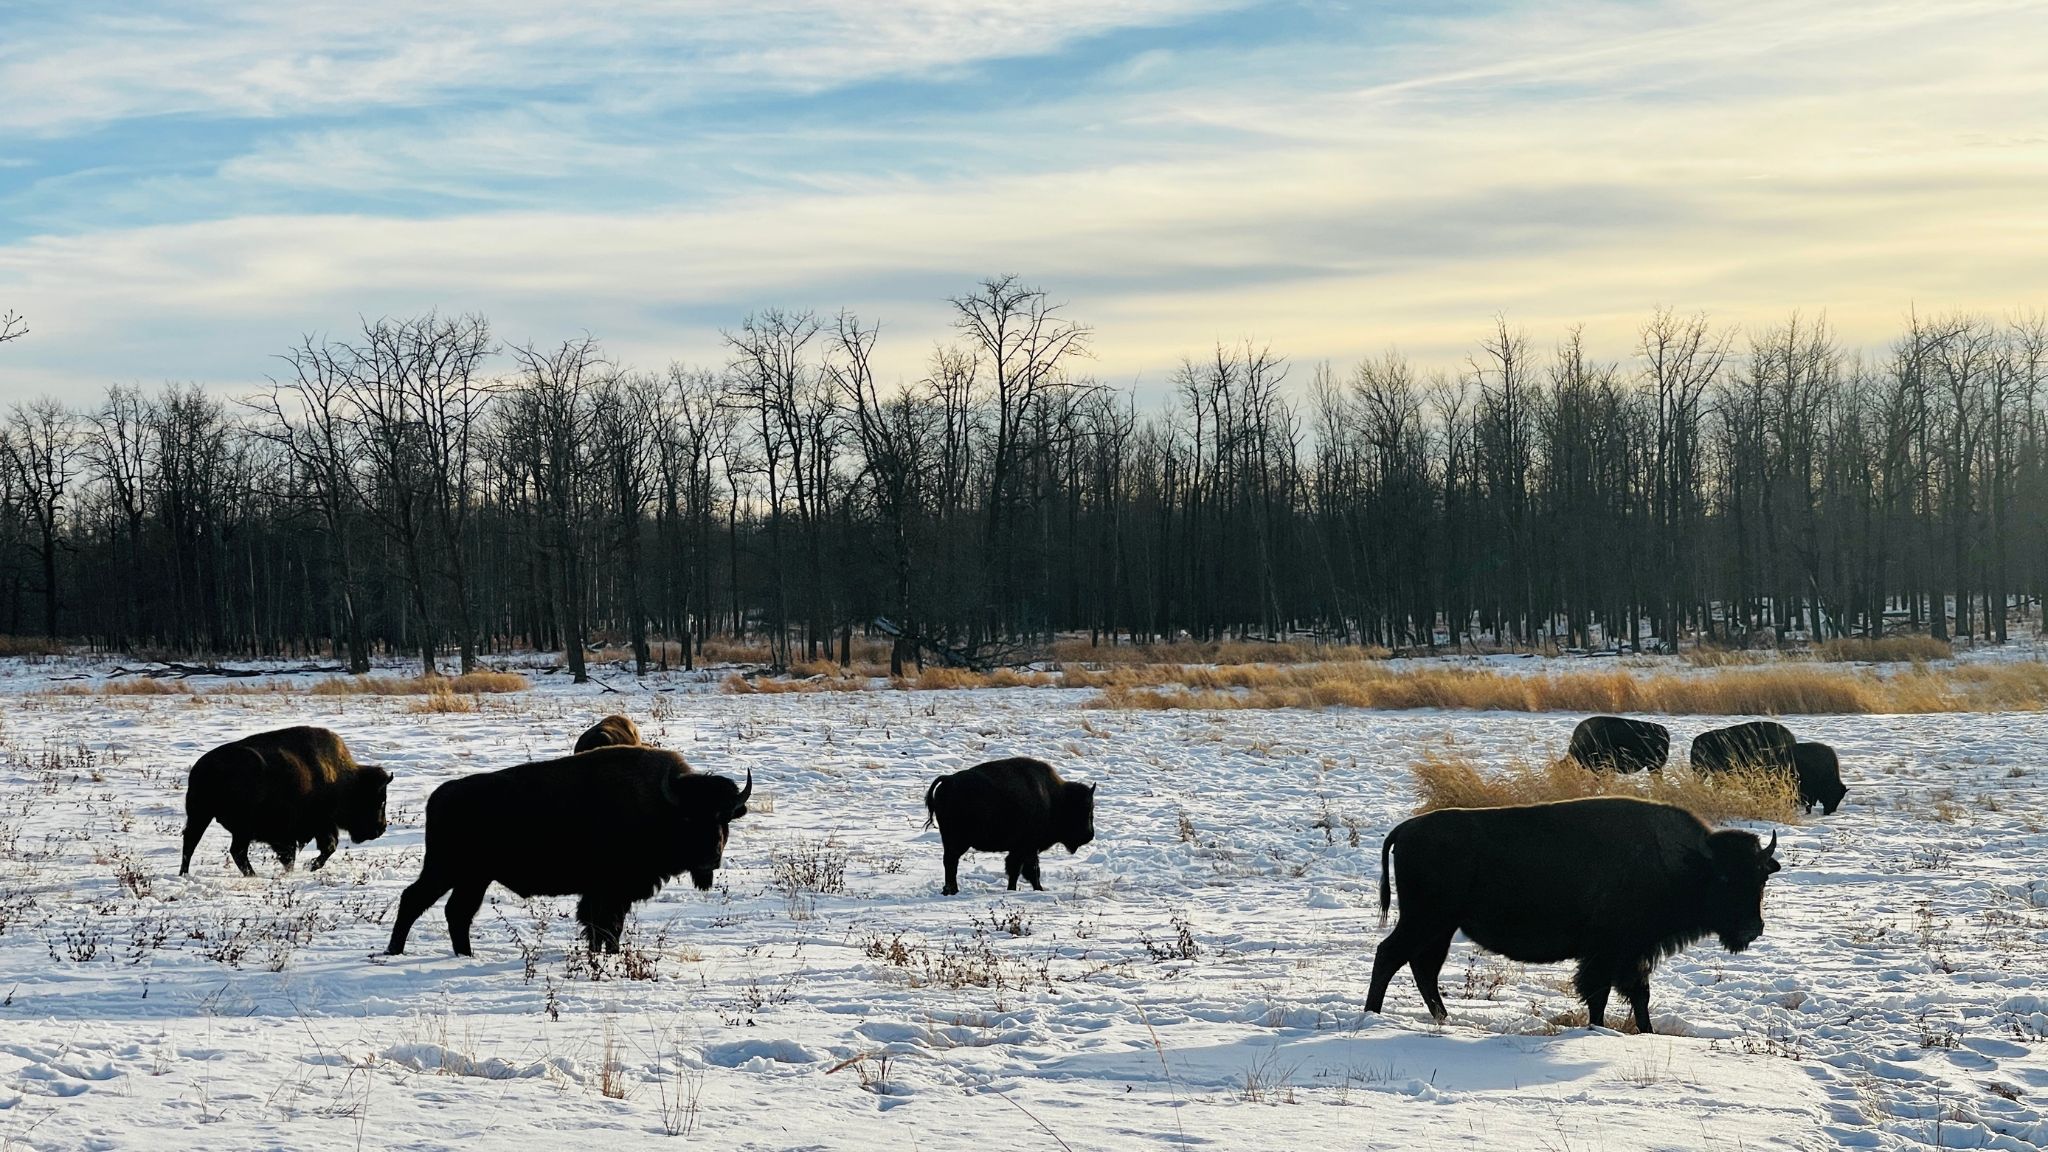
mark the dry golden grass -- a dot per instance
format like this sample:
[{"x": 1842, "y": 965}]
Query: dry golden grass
[
  {"x": 442, "y": 702},
  {"x": 1706, "y": 656},
  {"x": 739, "y": 685},
  {"x": 468, "y": 682},
  {"x": 1884, "y": 649},
  {"x": 11, "y": 645},
  {"x": 734, "y": 652},
  {"x": 804, "y": 678},
  {"x": 1802, "y": 688},
  {"x": 1457, "y": 782},
  {"x": 1224, "y": 652}
]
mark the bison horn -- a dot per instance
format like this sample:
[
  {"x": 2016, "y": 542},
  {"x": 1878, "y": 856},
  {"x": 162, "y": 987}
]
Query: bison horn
[
  {"x": 745, "y": 792},
  {"x": 1771, "y": 849}
]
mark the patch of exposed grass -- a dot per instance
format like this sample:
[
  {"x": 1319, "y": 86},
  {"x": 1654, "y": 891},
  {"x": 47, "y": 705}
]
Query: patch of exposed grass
[
  {"x": 441, "y": 702},
  {"x": 1803, "y": 688},
  {"x": 1459, "y": 782},
  {"x": 1884, "y": 649},
  {"x": 1223, "y": 652},
  {"x": 468, "y": 682}
]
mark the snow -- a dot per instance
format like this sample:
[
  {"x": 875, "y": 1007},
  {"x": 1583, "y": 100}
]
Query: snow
[{"x": 1192, "y": 978}]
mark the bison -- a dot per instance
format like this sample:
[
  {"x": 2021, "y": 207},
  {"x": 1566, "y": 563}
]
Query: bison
[
  {"x": 1618, "y": 744},
  {"x": 285, "y": 789},
  {"x": 1018, "y": 806},
  {"x": 1820, "y": 776},
  {"x": 1768, "y": 745},
  {"x": 610, "y": 732},
  {"x": 1612, "y": 882},
  {"x": 1759, "y": 743},
  {"x": 610, "y": 826}
]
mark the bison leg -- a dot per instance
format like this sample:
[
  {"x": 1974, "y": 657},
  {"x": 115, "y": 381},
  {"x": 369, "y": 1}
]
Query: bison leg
[
  {"x": 1393, "y": 953},
  {"x": 287, "y": 854},
  {"x": 328, "y": 841},
  {"x": 195, "y": 827},
  {"x": 419, "y": 896},
  {"x": 1031, "y": 872},
  {"x": 953, "y": 855},
  {"x": 1594, "y": 980},
  {"x": 603, "y": 920},
  {"x": 1013, "y": 866},
  {"x": 462, "y": 906},
  {"x": 1427, "y": 962},
  {"x": 240, "y": 851},
  {"x": 1633, "y": 981}
]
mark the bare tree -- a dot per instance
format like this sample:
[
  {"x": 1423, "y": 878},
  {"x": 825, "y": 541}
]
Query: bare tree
[
  {"x": 309, "y": 418},
  {"x": 1023, "y": 345},
  {"x": 41, "y": 446}
]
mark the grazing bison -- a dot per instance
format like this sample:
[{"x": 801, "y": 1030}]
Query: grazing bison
[
  {"x": 610, "y": 732},
  {"x": 1771, "y": 746},
  {"x": 284, "y": 788},
  {"x": 1759, "y": 743},
  {"x": 1612, "y": 882},
  {"x": 1019, "y": 806},
  {"x": 1618, "y": 744},
  {"x": 610, "y": 826},
  {"x": 1820, "y": 776}
]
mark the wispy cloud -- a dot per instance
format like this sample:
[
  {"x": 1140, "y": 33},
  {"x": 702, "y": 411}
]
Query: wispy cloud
[{"x": 1182, "y": 175}]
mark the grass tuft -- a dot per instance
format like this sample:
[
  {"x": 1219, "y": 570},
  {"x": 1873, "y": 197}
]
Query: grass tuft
[
  {"x": 1884, "y": 649},
  {"x": 1458, "y": 782}
]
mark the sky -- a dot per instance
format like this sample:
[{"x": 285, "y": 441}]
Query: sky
[{"x": 186, "y": 189}]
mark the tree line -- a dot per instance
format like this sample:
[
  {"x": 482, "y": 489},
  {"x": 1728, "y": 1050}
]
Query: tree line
[{"x": 419, "y": 486}]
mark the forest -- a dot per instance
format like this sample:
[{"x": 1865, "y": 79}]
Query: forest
[{"x": 423, "y": 488}]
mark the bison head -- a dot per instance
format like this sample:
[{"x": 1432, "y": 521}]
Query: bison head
[
  {"x": 1075, "y": 816},
  {"x": 1738, "y": 866},
  {"x": 364, "y": 817},
  {"x": 704, "y": 807}
]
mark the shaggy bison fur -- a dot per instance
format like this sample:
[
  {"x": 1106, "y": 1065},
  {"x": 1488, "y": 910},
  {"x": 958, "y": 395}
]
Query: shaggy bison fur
[
  {"x": 610, "y": 732},
  {"x": 1018, "y": 806},
  {"x": 1768, "y": 745},
  {"x": 611, "y": 826},
  {"x": 1612, "y": 882},
  {"x": 1618, "y": 744},
  {"x": 285, "y": 789}
]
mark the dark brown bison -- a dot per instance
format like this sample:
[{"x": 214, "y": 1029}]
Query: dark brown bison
[
  {"x": 610, "y": 732},
  {"x": 285, "y": 789},
  {"x": 1612, "y": 882},
  {"x": 1768, "y": 745},
  {"x": 1618, "y": 744},
  {"x": 1018, "y": 806},
  {"x": 1820, "y": 776},
  {"x": 1757, "y": 744},
  {"x": 611, "y": 826}
]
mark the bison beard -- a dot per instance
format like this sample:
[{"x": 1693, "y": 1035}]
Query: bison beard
[
  {"x": 1614, "y": 883},
  {"x": 610, "y": 826},
  {"x": 284, "y": 788}
]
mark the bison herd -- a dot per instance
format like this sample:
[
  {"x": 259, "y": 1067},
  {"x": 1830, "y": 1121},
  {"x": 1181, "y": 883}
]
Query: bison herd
[
  {"x": 1611, "y": 882},
  {"x": 1618, "y": 744}
]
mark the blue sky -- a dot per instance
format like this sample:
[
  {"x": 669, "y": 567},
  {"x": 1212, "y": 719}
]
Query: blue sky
[{"x": 186, "y": 188}]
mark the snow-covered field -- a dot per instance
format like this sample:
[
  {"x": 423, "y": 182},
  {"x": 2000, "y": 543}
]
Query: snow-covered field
[{"x": 1192, "y": 978}]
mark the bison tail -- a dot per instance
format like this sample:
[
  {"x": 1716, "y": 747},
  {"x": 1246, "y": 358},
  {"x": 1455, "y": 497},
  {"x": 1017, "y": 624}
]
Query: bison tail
[
  {"x": 1386, "y": 874},
  {"x": 931, "y": 811}
]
